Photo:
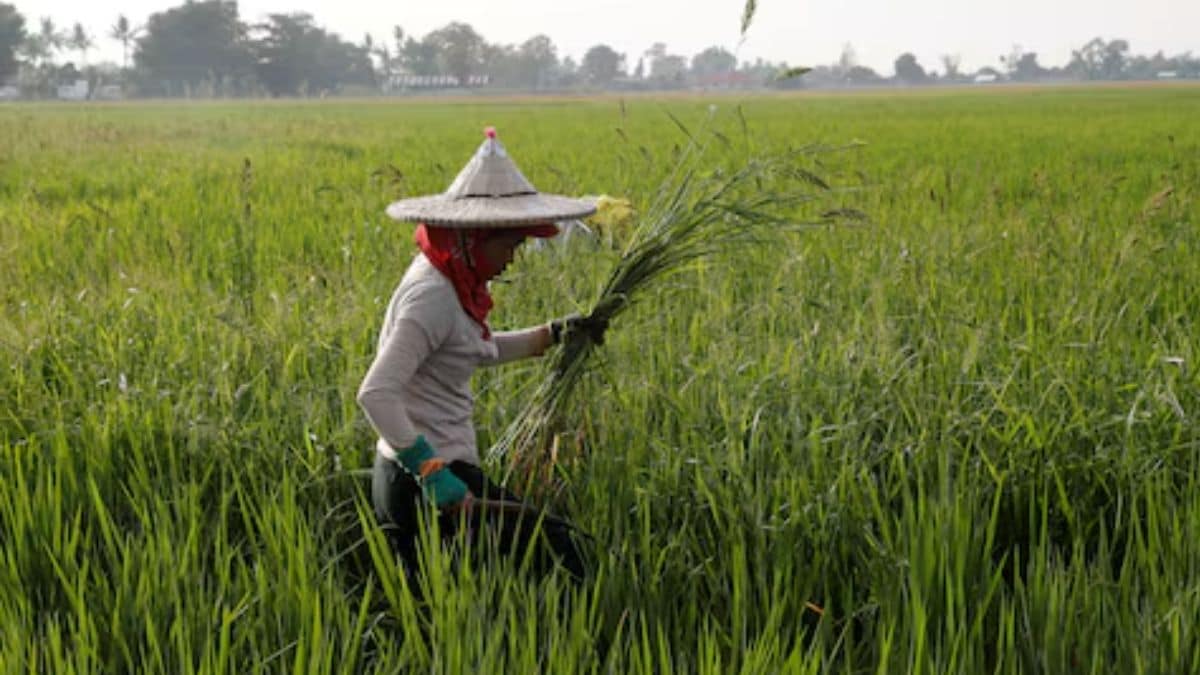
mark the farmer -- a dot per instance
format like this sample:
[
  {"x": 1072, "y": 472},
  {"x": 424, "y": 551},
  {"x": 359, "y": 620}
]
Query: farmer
[{"x": 417, "y": 392}]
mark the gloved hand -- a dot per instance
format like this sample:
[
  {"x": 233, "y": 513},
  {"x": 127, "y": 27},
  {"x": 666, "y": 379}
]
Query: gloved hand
[
  {"x": 592, "y": 326},
  {"x": 441, "y": 486}
]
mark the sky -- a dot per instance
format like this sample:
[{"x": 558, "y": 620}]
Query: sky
[{"x": 799, "y": 32}]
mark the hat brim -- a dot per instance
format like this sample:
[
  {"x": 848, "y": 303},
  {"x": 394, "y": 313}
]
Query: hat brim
[{"x": 490, "y": 212}]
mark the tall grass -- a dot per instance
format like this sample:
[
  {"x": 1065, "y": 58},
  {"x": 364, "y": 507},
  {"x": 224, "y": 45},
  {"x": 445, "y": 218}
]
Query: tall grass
[
  {"x": 961, "y": 440},
  {"x": 700, "y": 210}
]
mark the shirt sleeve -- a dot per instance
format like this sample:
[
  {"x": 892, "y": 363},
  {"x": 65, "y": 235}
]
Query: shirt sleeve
[
  {"x": 520, "y": 344},
  {"x": 409, "y": 342}
]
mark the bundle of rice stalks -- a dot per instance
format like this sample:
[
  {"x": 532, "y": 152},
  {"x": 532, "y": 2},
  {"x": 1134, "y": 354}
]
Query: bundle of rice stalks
[{"x": 698, "y": 211}]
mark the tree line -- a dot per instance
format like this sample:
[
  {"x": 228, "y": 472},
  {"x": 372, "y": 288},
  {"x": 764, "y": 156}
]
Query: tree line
[
  {"x": 204, "y": 48},
  {"x": 1098, "y": 59}
]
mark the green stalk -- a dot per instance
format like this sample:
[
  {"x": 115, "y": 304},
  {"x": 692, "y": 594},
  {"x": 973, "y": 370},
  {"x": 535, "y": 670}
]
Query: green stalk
[{"x": 697, "y": 212}]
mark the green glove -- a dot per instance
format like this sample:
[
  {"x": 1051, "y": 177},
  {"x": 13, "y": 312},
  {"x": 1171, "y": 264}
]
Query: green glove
[{"x": 440, "y": 484}]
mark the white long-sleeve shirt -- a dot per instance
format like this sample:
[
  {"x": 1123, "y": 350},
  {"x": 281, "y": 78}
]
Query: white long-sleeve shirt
[{"x": 420, "y": 380}]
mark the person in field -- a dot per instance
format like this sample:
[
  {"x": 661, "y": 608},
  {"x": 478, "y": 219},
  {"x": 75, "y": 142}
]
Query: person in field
[{"x": 417, "y": 392}]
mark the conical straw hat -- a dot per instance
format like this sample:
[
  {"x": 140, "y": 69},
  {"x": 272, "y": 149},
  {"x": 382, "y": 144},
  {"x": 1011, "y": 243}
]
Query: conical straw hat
[{"x": 490, "y": 192}]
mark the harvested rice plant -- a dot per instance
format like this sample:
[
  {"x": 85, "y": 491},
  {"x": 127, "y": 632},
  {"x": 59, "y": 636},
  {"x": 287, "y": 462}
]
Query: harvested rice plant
[{"x": 930, "y": 406}]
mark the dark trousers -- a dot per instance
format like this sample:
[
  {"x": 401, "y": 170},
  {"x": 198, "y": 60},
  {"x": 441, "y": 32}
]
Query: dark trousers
[{"x": 397, "y": 501}]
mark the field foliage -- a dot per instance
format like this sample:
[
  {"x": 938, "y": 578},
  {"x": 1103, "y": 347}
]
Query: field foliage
[{"x": 960, "y": 438}]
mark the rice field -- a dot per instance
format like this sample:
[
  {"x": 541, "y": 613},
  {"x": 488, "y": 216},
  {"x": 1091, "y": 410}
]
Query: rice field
[{"x": 961, "y": 437}]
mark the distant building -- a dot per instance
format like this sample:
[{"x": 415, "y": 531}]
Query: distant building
[
  {"x": 1166, "y": 75},
  {"x": 986, "y": 78},
  {"x": 76, "y": 91},
  {"x": 406, "y": 81},
  {"x": 9, "y": 92}
]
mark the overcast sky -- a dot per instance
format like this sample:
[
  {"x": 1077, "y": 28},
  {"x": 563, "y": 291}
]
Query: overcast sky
[{"x": 800, "y": 32}]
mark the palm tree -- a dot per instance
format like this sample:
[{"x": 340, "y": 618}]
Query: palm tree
[
  {"x": 124, "y": 33},
  {"x": 38, "y": 49},
  {"x": 33, "y": 49},
  {"x": 81, "y": 42},
  {"x": 51, "y": 39},
  {"x": 385, "y": 63}
]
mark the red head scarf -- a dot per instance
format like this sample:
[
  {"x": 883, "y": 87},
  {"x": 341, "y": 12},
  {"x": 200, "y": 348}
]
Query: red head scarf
[{"x": 458, "y": 254}]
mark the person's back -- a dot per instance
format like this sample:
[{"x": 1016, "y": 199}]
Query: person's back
[{"x": 426, "y": 325}]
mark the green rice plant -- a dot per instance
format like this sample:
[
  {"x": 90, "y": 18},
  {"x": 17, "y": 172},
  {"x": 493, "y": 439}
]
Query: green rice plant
[
  {"x": 699, "y": 211},
  {"x": 966, "y": 434}
]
